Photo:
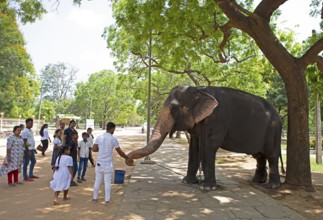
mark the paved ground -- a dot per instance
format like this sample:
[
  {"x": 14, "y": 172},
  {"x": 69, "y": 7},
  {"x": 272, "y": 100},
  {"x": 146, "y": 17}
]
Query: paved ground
[{"x": 156, "y": 192}]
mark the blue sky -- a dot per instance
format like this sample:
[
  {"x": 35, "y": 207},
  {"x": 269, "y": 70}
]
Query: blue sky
[{"x": 72, "y": 34}]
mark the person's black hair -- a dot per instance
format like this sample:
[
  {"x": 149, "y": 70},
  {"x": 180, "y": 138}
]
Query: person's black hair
[
  {"x": 41, "y": 132},
  {"x": 22, "y": 125},
  {"x": 110, "y": 125},
  {"x": 74, "y": 132},
  {"x": 84, "y": 133},
  {"x": 56, "y": 131},
  {"x": 29, "y": 120},
  {"x": 71, "y": 121},
  {"x": 16, "y": 127},
  {"x": 89, "y": 128},
  {"x": 63, "y": 148}
]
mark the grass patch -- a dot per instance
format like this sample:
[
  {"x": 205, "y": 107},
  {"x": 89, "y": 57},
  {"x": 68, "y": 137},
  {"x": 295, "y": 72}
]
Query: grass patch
[{"x": 314, "y": 166}]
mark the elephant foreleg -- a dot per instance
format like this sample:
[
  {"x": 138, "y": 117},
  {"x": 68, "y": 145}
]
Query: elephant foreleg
[
  {"x": 193, "y": 161},
  {"x": 261, "y": 171},
  {"x": 208, "y": 166}
]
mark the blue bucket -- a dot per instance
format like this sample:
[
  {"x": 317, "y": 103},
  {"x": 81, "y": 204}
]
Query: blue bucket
[{"x": 119, "y": 176}]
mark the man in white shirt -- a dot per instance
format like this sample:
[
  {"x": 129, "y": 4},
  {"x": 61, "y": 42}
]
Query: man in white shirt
[
  {"x": 104, "y": 145},
  {"x": 29, "y": 151}
]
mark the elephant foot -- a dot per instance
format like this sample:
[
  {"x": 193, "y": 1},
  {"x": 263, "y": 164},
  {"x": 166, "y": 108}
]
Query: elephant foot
[
  {"x": 274, "y": 181},
  {"x": 208, "y": 186},
  {"x": 260, "y": 176},
  {"x": 272, "y": 185},
  {"x": 190, "y": 180}
]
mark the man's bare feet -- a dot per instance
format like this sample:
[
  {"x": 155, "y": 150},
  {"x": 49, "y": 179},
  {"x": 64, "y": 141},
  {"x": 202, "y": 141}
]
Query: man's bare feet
[{"x": 55, "y": 202}]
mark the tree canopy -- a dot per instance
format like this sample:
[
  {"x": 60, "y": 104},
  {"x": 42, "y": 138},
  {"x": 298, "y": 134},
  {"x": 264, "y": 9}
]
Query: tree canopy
[{"x": 19, "y": 85}]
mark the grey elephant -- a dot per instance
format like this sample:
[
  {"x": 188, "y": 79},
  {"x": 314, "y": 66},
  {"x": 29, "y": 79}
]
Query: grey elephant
[{"x": 220, "y": 117}]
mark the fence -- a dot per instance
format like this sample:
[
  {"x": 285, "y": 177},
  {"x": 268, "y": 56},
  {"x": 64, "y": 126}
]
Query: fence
[{"x": 7, "y": 124}]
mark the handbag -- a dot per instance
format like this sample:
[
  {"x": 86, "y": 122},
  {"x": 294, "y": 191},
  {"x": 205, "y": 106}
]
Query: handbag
[{"x": 39, "y": 147}]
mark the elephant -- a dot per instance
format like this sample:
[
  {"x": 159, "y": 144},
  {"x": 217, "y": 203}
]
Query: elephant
[{"x": 220, "y": 117}]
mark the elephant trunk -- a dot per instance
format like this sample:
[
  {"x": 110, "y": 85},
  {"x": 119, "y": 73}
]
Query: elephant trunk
[{"x": 162, "y": 128}]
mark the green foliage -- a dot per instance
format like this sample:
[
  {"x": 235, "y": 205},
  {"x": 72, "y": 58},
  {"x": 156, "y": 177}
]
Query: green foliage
[
  {"x": 106, "y": 97},
  {"x": 18, "y": 85},
  {"x": 57, "y": 81},
  {"x": 47, "y": 110},
  {"x": 27, "y": 10}
]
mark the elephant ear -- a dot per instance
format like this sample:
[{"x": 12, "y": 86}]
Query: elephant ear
[{"x": 203, "y": 106}]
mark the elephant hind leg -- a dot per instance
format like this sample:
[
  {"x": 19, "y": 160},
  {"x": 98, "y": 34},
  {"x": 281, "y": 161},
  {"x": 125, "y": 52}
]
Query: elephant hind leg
[
  {"x": 261, "y": 171},
  {"x": 274, "y": 178}
]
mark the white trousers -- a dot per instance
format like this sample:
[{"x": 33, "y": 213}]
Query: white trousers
[{"x": 99, "y": 175}]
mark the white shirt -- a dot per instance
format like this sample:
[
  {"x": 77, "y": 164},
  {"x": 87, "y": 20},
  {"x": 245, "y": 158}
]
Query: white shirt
[
  {"x": 106, "y": 143},
  {"x": 46, "y": 135},
  {"x": 90, "y": 140},
  {"x": 57, "y": 141},
  {"x": 84, "y": 148},
  {"x": 28, "y": 134}
]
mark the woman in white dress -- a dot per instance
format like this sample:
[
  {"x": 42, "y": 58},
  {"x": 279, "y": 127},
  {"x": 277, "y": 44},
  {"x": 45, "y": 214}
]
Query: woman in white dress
[{"x": 62, "y": 174}]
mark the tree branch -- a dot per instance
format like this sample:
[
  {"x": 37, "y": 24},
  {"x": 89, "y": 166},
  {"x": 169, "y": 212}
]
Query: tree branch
[
  {"x": 312, "y": 54},
  {"x": 266, "y": 8},
  {"x": 233, "y": 12}
]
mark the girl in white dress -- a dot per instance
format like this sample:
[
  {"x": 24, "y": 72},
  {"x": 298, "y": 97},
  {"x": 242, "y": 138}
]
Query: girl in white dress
[{"x": 62, "y": 174}]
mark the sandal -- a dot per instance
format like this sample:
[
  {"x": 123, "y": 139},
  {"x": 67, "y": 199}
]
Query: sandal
[
  {"x": 67, "y": 198},
  {"x": 107, "y": 203},
  {"x": 55, "y": 203},
  {"x": 94, "y": 200}
]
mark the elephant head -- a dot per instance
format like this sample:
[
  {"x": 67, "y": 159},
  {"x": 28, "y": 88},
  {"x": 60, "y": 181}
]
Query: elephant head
[{"x": 183, "y": 109}]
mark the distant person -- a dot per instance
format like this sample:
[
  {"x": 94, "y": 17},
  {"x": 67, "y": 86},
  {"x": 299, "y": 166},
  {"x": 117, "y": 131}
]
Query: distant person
[
  {"x": 83, "y": 155},
  {"x": 90, "y": 140},
  {"x": 68, "y": 132},
  {"x": 62, "y": 125},
  {"x": 57, "y": 142},
  {"x": 29, "y": 151},
  {"x": 73, "y": 153},
  {"x": 104, "y": 145},
  {"x": 62, "y": 174},
  {"x": 14, "y": 158},
  {"x": 44, "y": 138}
]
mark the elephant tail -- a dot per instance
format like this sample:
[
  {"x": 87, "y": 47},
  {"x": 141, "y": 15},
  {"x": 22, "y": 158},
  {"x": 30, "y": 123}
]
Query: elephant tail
[{"x": 282, "y": 164}]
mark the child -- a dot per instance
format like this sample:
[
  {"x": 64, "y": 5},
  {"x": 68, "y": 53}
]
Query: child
[
  {"x": 83, "y": 155},
  {"x": 62, "y": 175},
  {"x": 73, "y": 154},
  {"x": 57, "y": 146}
]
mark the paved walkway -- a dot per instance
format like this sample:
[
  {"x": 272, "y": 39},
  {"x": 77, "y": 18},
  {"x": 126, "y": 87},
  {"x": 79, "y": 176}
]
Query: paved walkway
[{"x": 156, "y": 192}]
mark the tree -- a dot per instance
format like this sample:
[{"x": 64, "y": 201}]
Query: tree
[
  {"x": 184, "y": 30},
  {"x": 18, "y": 85},
  {"x": 57, "y": 81},
  {"x": 47, "y": 110},
  {"x": 106, "y": 96}
]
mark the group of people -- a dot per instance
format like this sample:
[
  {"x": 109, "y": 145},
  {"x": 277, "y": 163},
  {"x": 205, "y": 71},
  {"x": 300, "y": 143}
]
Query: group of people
[{"x": 69, "y": 157}]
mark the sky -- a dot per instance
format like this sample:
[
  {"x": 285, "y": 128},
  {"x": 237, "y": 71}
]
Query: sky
[{"x": 73, "y": 34}]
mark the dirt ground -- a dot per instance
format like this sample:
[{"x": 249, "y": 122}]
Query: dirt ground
[
  {"x": 307, "y": 204},
  {"x": 34, "y": 199}
]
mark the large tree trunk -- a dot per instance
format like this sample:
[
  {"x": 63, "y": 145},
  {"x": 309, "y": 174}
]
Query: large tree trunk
[{"x": 298, "y": 158}]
